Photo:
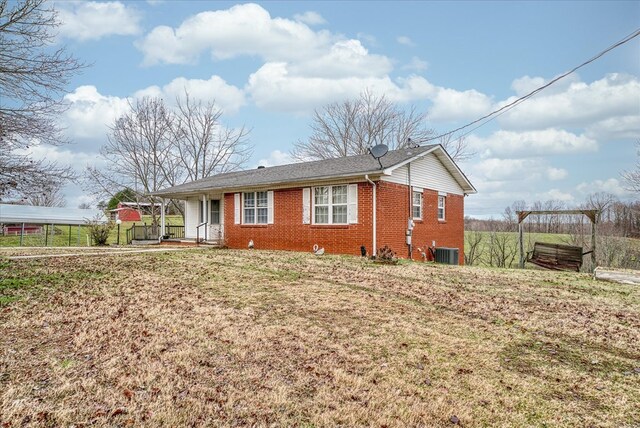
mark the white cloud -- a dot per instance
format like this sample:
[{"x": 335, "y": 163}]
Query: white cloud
[
  {"x": 610, "y": 185},
  {"x": 507, "y": 169},
  {"x": 404, "y": 40},
  {"x": 451, "y": 105},
  {"x": 64, "y": 156},
  {"x": 228, "y": 97},
  {"x": 416, "y": 64},
  {"x": 90, "y": 113},
  {"x": 556, "y": 195},
  {"x": 94, "y": 20},
  {"x": 526, "y": 84},
  {"x": 346, "y": 58},
  {"x": 556, "y": 174},
  {"x": 276, "y": 157},
  {"x": 578, "y": 105},
  {"x": 245, "y": 29},
  {"x": 616, "y": 128},
  {"x": 310, "y": 18},
  {"x": 532, "y": 143},
  {"x": 273, "y": 87}
]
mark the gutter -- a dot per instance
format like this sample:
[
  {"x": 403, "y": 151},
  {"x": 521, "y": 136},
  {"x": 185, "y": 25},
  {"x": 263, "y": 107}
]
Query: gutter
[{"x": 366, "y": 177}]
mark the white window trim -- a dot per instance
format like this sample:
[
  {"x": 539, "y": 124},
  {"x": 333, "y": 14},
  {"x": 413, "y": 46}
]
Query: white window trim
[
  {"x": 444, "y": 207},
  {"x": 413, "y": 205},
  {"x": 330, "y": 204},
  {"x": 255, "y": 208}
]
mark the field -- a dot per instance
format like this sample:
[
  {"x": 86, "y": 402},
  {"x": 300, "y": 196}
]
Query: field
[{"x": 207, "y": 337}]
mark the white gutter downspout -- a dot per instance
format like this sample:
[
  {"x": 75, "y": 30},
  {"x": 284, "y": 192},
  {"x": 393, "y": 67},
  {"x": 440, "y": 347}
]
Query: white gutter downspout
[
  {"x": 373, "y": 251},
  {"x": 162, "y": 219}
]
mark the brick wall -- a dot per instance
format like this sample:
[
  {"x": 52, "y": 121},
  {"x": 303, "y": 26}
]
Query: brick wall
[
  {"x": 288, "y": 232},
  {"x": 393, "y": 213}
]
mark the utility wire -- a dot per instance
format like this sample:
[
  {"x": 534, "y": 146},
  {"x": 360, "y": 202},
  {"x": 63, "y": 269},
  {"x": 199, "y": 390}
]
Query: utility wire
[{"x": 489, "y": 117}]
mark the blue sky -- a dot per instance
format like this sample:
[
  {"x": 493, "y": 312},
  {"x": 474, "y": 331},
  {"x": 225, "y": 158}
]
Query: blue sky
[{"x": 268, "y": 65}]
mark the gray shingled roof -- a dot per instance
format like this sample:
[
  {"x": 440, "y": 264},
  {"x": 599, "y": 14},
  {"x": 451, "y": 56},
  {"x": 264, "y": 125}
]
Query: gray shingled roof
[{"x": 303, "y": 171}]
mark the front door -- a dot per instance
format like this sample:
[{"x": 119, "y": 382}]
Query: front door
[{"x": 215, "y": 226}]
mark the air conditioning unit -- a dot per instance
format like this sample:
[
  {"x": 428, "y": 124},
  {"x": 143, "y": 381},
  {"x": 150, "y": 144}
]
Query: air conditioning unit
[{"x": 447, "y": 256}]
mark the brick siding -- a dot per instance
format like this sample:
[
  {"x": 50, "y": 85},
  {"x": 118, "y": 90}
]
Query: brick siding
[{"x": 289, "y": 233}]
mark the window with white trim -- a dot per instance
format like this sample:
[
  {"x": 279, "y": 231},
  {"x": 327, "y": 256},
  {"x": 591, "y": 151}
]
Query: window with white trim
[
  {"x": 441, "y": 205},
  {"x": 255, "y": 208},
  {"x": 330, "y": 204},
  {"x": 417, "y": 205}
]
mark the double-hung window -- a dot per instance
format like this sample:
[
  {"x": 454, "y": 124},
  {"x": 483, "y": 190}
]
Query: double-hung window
[
  {"x": 441, "y": 207},
  {"x": 255, "y": 208},
  {"x": 417, "y": 205},
  {"x": 330, "y": 204}
]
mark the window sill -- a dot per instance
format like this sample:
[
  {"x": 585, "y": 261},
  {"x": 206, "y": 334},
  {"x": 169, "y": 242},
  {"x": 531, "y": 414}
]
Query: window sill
[
  {"x": 330, "y": 226},
  {"x": 417, "y": 220},
  {"x": 442, "y": 221},
  {"x": 254, "y": 225}
]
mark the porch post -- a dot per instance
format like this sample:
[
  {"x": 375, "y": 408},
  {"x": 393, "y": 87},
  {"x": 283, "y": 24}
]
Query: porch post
[
  {"x": 162, "y": 218},
  {"x": 204, "y": 215}
]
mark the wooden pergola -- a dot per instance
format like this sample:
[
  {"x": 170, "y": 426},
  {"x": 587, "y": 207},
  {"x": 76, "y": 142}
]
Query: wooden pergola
[{"x": 592, "y": 215}]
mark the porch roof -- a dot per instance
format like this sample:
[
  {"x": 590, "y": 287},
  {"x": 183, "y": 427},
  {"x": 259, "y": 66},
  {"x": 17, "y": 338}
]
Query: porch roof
[{"x": 327, "y": 169}]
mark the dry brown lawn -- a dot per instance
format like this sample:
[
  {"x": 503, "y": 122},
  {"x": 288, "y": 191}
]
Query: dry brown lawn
[{"x": 253, "y": 338}]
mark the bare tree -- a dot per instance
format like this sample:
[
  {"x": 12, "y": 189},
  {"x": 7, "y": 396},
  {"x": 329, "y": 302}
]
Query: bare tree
[
  {"x": 473, "y": 247},
  {"x": 202, "y": 145},
  {"x": 33, "y": 78},
  {"x": 351, "y": 127},
  {"x": 458, "y": 148},
  {"x": 632, "y": 178},
  {"x": 152, "y": 147},
  {"x": 138, "y": 153},
  {"x": 84, "y": 206},
  {"x": 51, "y": 196}
]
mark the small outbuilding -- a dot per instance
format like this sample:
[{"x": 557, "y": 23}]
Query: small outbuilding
[{"x": 125, "y": 213}]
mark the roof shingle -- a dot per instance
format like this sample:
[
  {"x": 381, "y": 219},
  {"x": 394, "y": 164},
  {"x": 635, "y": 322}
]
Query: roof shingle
[{"x": 303, "y": 171}]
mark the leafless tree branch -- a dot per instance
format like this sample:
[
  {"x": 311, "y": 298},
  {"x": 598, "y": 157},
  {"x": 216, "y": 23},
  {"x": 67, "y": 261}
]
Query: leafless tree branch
[
  {"x": 33, "y": 79},
  {"x": 353, "y": 126}
]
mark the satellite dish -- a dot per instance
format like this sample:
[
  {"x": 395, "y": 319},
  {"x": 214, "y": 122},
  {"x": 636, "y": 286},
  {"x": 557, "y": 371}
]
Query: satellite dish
[{"x": 378, "y": 151}]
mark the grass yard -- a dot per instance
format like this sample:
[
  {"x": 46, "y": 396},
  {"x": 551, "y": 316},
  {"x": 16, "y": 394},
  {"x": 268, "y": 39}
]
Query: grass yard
[
  {"x": 253, "y": 338},
  {"x": 65, "y": 236}
]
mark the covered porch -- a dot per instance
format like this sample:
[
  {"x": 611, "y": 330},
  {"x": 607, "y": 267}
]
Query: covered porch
[{"x": 203, "y": 218}]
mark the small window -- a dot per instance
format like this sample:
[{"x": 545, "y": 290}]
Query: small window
[
  {"x": 330, "y": 204},
  {"x": 417, "y": 205},
  {"x": 441, "y": 207}
]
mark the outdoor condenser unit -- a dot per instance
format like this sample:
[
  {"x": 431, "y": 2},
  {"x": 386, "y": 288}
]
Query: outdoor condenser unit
[{"x": 447, "y": 256}]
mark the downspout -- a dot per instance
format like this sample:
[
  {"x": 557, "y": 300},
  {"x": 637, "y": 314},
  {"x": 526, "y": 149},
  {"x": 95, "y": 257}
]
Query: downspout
[
  {"x": 162, "y": 219},
  {"x": 409, "y": 229},
  {"x": 375, "y": 226}
]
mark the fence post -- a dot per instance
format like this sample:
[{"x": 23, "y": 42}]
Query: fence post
[{"x": 21, "y": 234}]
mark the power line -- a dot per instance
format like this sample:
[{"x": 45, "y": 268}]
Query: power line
[{"x": 489, "y": 117}]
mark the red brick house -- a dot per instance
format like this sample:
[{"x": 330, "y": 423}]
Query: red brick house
[{"x": 337, "y": 204}]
